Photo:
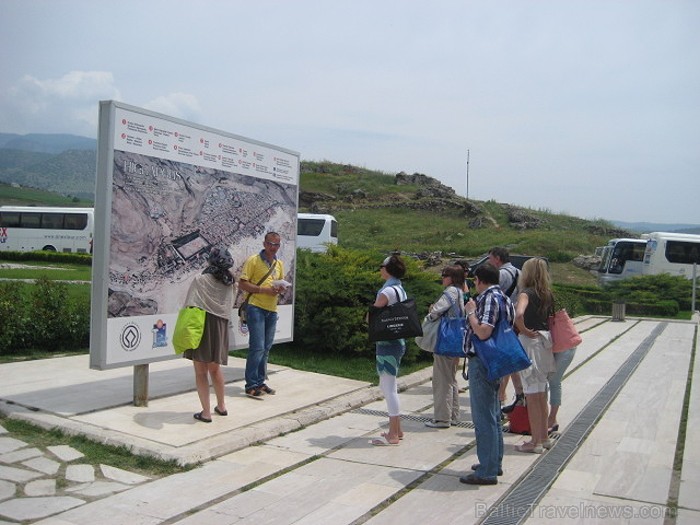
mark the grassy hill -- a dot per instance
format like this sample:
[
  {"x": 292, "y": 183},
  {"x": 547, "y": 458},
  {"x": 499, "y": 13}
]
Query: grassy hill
[
  {"x": 417, "y": 214},
  {"x": 18, "y": 196}
]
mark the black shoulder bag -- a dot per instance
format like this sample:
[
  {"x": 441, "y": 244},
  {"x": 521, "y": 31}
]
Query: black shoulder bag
[{"x": 394, "y": 321}]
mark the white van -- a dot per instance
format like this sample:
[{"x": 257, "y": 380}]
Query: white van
[
  {"x": 672, "y": 253},
  {"x": 316, "y": 231}
]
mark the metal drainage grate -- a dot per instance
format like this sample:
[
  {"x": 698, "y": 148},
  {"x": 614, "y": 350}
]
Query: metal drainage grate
[
  {"x": 516, "y": 505},
  {"x": 410, "y": 417}
]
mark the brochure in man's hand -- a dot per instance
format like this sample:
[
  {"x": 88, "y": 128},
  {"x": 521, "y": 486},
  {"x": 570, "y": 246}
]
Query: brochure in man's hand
[{"x": 281, "y": 283}]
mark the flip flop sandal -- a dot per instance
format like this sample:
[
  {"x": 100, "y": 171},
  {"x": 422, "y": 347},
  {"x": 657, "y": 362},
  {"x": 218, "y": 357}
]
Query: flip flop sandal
[
  {"x": 381, "y": 442},
  {"x": 221, "y": 412},
  {"x": 199, "y": 417}
]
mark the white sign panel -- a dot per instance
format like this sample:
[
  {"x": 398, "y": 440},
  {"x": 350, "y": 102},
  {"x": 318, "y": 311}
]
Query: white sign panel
[{"x": 167, "y": 191}]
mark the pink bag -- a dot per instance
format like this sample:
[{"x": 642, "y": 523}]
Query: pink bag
[{"x": 563, "y": 331}]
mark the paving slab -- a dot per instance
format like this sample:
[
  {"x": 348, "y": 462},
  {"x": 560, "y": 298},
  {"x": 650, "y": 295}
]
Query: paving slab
[
  {"x": 20, "y": 455},
  {"x": 122, "y": 476},
  {"x": 43, "y": 464},
  {"x": 7, "y": 489},
  {"x": 18, "y": 474},
  {"x": 80, "y": 473},
  {"x": 65, "y": 453},
  {"x": 8, "y": 444},
  {"x": 40, "y": 487},
  {"x": 35, "y": 508}
]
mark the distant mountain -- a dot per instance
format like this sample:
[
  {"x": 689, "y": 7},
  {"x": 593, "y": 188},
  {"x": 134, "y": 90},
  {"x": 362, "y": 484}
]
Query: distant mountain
[
  {"x": 646, "y": 227},
  {"x": 60, "y": 163},
  {"x": 46, "y": 143}
]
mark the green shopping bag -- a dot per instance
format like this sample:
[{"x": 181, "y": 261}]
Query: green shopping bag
[{"x": 188, "y": 328}]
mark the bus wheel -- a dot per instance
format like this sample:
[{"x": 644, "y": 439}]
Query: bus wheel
[{"x": 49, "y": 249}]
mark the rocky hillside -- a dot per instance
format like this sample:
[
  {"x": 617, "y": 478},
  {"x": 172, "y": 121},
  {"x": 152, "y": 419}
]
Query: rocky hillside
[{"x": 331, "y": 188}]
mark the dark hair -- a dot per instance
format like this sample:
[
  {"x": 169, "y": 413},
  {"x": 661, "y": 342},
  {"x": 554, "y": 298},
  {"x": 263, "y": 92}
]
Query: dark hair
[
  {"x": 487, "y": 273},
  {"x": 501, "y": 253},
  {"x": 272, "y": 234},
  {"x": 464, "y": 264},
  {"x": 456, "y": 274},
  {"x": 395, "y": 266}
]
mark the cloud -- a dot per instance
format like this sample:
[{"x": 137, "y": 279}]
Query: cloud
[
  {"x": 180, "y": 105},
  {"x": 68, "y": 104}
]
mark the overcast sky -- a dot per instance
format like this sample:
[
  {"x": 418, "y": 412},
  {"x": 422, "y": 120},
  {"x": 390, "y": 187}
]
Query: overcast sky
[{"x": 585, "y": 107}]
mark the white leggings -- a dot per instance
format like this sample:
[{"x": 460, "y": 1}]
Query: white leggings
[{"x": 387, "y": 383}]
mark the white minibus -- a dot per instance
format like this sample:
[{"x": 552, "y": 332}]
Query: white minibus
[
  {"x": 31, "y": 228},
  {"x": 672, "y": 253},
  {"x": 620, "y": 259},
  {"x": 316, "y": 231}
]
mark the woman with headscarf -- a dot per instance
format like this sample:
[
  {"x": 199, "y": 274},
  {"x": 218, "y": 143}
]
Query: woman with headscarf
[{"x": 213, "y": 292}]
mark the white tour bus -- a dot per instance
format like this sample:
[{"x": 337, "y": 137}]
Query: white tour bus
[
  {"x": 672, "y": 253},
  {"x": 620, "y": 259},
  {"x": 31, "y": 228},
  {"x": 316, "y": 231}
]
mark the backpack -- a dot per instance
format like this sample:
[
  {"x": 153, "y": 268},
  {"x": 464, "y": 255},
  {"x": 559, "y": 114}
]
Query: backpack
[{"x": 513, "y": 285}]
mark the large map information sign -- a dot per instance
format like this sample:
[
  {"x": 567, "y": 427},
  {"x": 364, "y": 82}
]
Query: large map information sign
[{"x": 167, "y": 191}]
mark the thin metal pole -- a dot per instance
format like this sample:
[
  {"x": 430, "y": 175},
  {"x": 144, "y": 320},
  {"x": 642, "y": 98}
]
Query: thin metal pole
[
  {"x": 467, "y": 174},
  {"x": 695, "y": 284}
]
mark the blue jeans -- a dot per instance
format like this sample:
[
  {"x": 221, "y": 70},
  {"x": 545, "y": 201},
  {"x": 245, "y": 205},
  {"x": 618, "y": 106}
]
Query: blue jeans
[
  {"x": 261, "y": 330},
  {"x": 486, "y": 414}
]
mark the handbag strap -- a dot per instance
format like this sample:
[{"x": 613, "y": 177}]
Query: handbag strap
[
  {"x": 453, "y": 303},
  {"x": 272, "y": 267},
  {"x": 398, "y": 297}
]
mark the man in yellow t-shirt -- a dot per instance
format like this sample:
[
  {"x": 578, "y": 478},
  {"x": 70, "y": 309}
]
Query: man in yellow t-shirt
[{"x": 261, "y": 312}]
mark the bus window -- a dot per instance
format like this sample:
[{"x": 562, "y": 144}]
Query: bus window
[
  {"x": 52, "y": 221},
  {"x": 9, "y": 219},
  {"x": 30, "y": 220},
  {"x": 310, "y": 227},
  {"x": 75, "y": 221}
]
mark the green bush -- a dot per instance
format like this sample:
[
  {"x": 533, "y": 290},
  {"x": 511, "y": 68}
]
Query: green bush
[
  {"x": 13, "y": 311},
  {"x": 43, "y": 316},
  {"x": 334, "y": 291},
  {"x": 567, "y": 297},
  {"x": 652, "y": 289}
]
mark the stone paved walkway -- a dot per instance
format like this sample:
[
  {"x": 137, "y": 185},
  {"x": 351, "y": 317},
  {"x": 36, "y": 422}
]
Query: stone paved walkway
[{"x": 35, "y": 482}]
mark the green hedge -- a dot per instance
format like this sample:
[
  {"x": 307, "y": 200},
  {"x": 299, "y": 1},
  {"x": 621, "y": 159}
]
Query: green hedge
[
  {"x": 42, "y": 316},
  {"x": 47, "y": 256}
]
